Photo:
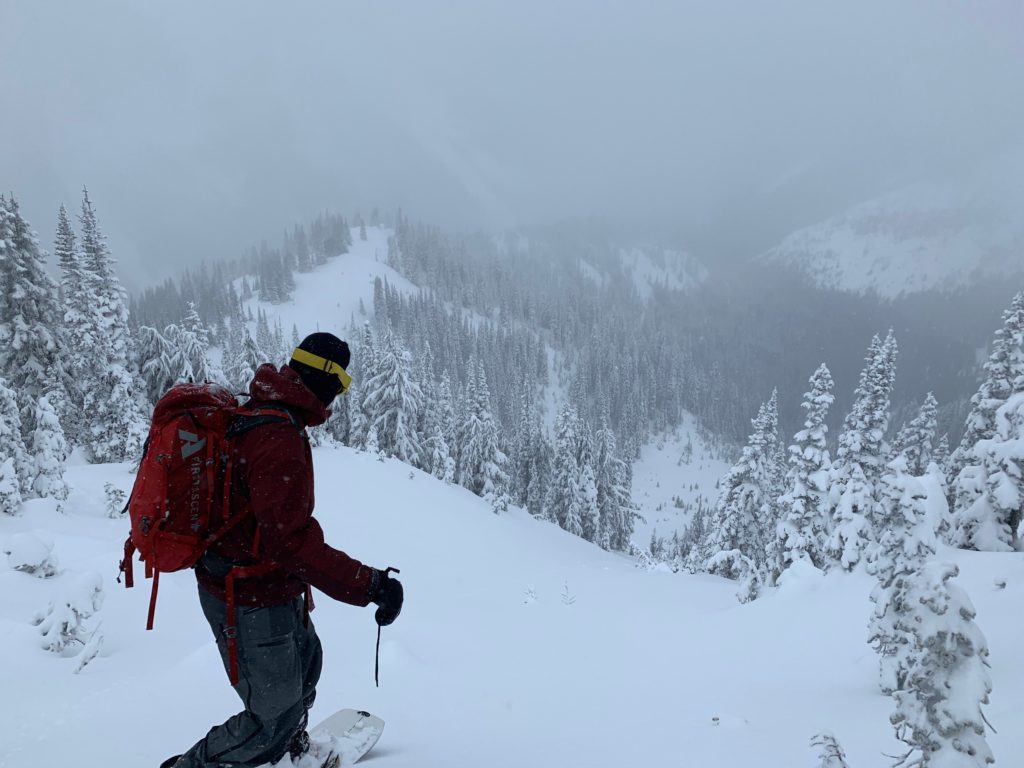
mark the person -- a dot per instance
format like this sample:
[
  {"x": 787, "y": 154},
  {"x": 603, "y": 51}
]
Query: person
[{"x": 264, "y": 568}]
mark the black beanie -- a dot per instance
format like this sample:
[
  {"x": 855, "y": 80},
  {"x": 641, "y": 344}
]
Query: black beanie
[{"x": 328, "y": 346}]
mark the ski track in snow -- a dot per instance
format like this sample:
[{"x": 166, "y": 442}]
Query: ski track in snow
[{"x": 476, "y": 671}]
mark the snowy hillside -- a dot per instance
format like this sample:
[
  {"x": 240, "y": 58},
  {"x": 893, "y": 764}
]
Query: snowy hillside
[
  {"x": 923, "y": 237},
  {"x": 519, "y": 645},
  {"x": 335, "y": 293},
  {"x": 673, "y": 476}
]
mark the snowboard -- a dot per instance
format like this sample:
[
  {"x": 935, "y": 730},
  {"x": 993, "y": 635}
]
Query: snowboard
[{"x": 352, "y": 733}]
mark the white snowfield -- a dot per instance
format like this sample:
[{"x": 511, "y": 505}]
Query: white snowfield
[
  {"x": 929, "y": 236},
  {"x": 519, "y": 645}
]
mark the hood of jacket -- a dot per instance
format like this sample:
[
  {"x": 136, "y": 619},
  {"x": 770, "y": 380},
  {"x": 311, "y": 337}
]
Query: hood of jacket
[{"x": 283, "y": 385}]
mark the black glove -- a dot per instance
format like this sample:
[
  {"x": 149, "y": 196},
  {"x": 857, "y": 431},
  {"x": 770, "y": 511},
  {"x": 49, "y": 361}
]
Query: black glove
[{"x": 388, "y": 595}]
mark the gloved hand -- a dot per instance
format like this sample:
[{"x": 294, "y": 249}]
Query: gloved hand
[{"x": 388, "y": 596}]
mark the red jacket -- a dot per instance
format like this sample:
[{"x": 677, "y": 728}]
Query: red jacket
[{"x": 272, "y": 474}]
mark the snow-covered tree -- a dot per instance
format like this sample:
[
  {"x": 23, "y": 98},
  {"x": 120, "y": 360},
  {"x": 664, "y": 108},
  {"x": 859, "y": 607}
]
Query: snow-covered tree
[
  {"x": 160, "y": 360},
  {"x": 916, "y": 440},
  {"x": 831, "y": 754},
  {"x": 617, "y": 515},
  {"x": 563, "y": 501},
  {"x": 481, "y": 464},
  {"x": 114, "y": 421},
  {"x": 989, "y": 493},
  {"x": 78, "y": 326},
  {"x": 908, "y": 541},
  {"x": 115, "y": 427},
  {"x": 246, "y": 358},
  {"x": 1004, "y": 376},
  {"x": 804, "y": 523},
  {"x": 61, "y": 624},
  {"x": 29, "y": 315},
  {"x": 104, "y": 288},
  {"x": 938, "y": 712},
  {"x": 985, "y": 470},
  {"x": 860, "y": 458},
  {"x": 194, "y": 342},
  {"x": 50, "y": 451},
  {"x": 17, "y": 465},
  {"x": 393, "y": 401},
  {"x": 745, "y": 518}
]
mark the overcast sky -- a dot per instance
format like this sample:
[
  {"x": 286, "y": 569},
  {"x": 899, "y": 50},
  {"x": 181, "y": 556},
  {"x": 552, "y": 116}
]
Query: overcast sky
[{"x": 201, "y": 127}]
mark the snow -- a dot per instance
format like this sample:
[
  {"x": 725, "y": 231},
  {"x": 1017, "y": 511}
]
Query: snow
[
  {"x": 674, "y": 473},
  {"x": 518, "y": 645},
  {"x": 927, "y": 236},
  {"x": 330, "y": 294}
]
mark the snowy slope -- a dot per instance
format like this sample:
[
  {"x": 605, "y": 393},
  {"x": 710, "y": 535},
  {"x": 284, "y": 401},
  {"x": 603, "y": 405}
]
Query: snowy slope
[
  {"x": 674, "y": 474},
  {"x": 488, "y": 664},
  {"x": 329, "y": 297},
  {"x": 924, "y": 237}
]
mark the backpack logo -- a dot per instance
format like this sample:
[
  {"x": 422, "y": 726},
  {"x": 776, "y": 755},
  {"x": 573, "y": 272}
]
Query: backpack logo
[{"x": 190, "y": 443}]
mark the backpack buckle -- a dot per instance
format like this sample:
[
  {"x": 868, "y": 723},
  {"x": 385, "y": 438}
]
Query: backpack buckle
[{"x": 230, "y": 632}]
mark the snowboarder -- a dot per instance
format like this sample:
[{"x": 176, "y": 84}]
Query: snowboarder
[{"x": 265, "y": 567}]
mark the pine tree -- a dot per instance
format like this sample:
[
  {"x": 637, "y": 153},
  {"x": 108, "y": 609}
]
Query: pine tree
[
  {"x": 363, "y": 367},
  {"x": 481, "y": 466},
  {"x": 194, "y": 342},
  {"x": 246, "y": 358},
  {"x": 160, "y": 360},
  {"x": 437, "y": 453},
  {"x": 985, "y": 471},
  {"x": 563, "y": 502},
  {"x": 859, "y": 459},
  {"x": 906, "y": 544},
  {"x": 1003, "y": 377},
  {"x": 938, "y": 713},
  {"x": 804, "y": 525},
  {"x": 104, "y": 287},
  {"x": 941, "y": 454},
  {"x": 50, "y": 451},
  {"x": 617, "y": 515},
  {"x": 112, "y": 400},
  {"x": 746, "y": 513},
  {"x": 393, "y": 400},
  {"x": 78, "y": 325},
  {"x": 29, "y": 316},
  {"x": 990, "y": 490},
  {"x": 916, "y": 440},
  {"x": 17, "y": 470}
]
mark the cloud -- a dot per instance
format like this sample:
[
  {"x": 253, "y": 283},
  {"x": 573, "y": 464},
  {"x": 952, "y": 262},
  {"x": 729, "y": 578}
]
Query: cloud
[{"x": 202, "y": 128}]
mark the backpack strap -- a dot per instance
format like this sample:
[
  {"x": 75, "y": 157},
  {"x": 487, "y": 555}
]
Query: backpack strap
[
  {"x": 244, "y": 422},
  {"x": 239, "y": 426}
]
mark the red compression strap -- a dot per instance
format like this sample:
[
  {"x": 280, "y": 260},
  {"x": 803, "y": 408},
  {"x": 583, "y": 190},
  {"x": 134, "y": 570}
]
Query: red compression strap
[
  {"x": 126, "y": 565},
  {"x": 230, "y": 630}
]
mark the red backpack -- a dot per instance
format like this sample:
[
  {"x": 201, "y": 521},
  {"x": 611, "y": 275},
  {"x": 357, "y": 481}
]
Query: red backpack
[{"x": 181, "y": 501}]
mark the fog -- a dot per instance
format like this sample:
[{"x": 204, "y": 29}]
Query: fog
[{"x": 201, "y": 128}]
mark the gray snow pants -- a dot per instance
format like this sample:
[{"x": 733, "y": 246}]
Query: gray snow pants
[{"x": 279, "y": 661}]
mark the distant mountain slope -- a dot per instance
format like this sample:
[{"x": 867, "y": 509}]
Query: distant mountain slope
[
  {"x": 332, "y": 294},
  {"x": 923, "y": 237}
]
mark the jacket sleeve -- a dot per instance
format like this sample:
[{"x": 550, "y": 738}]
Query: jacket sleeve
[{"x": 280, "y": 482}]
